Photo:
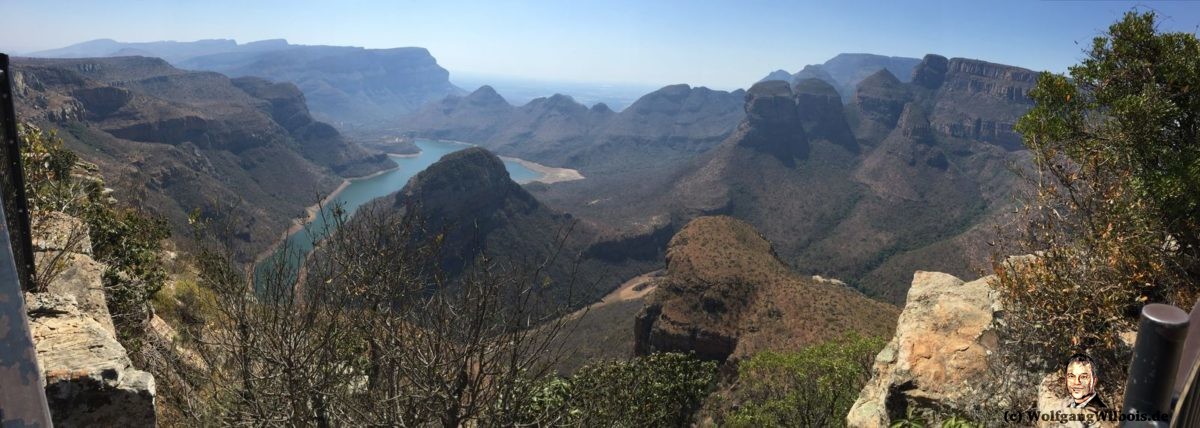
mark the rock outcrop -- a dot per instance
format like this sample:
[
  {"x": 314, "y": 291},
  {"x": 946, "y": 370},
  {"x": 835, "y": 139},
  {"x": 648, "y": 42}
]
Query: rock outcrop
[
  {"x": 773, "y": 123},
  {"x": 939, "y": 354},
  {"x": 90, "y": 380},
  {"x": 997, "y": 95},
  {"x": 821, "y": 112},
  {"x": 880, "y": 98}
]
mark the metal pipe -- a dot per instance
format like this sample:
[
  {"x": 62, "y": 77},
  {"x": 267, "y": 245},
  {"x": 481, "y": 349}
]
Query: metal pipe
[
  {"x": 22, "y": 388},
  {"x": 1151, "y": 382},
  {"x": 12, "y": 181}
]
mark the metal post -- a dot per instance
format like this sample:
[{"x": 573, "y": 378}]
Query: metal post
[
  {"x": 1151, "y": 382},
  {"x": 12, "y": 181},
  {"x": 22, "y": 393}
]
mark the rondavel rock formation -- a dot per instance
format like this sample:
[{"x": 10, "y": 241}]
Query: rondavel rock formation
[{"x": 90, "y": 380}]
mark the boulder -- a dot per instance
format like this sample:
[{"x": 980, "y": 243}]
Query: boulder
[
  {"x": 90, "y": 380},
  {"x": 939, "y": 354}
]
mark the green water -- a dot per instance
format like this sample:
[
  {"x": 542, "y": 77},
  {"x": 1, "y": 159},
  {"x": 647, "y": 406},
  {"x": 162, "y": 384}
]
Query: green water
[{"x": 361, "y": 191}]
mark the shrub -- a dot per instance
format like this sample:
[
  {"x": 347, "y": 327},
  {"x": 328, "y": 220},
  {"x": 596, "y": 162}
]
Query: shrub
[
  {"x": 1114, "y": 211},
  {"x": 813, "y": 387},
  {"x": 127, "y": 240},
  {"x": 661, "y": 390}
]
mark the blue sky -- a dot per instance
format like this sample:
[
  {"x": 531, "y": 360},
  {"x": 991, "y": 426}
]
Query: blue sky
[{"x": 720, "y": 44}]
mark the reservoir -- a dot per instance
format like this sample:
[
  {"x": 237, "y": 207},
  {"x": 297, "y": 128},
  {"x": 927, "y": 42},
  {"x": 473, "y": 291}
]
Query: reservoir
[{"x": 363, "y": 190}]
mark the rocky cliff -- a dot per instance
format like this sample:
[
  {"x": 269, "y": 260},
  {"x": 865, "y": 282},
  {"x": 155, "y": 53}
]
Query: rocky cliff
[
  {"x": 90, "y": 380},
  {"x": 726, "y": 295},
  {"x": 939, "y": 355}
]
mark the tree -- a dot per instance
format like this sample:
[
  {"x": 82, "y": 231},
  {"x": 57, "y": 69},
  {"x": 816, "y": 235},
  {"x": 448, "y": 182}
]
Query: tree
[
  {"x": 1114, "y": 214},
  {"x": 370, "y": 333}
]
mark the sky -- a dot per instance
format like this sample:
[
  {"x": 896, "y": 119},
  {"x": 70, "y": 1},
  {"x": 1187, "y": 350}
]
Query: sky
[{"x": 719, "y": 44}]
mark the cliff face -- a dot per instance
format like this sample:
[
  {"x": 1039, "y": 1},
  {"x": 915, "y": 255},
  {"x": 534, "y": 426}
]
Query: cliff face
[
  {"x": 997, "y": 95},
  {"x": 345, "y": 84},
  {"x": 192, "y": 140},
  {"x": 342, "y": 83},
  {"x": 726, "y": 295}
]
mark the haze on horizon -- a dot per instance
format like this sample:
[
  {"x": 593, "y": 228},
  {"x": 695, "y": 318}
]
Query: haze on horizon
[{"x": 722, "y": 45}]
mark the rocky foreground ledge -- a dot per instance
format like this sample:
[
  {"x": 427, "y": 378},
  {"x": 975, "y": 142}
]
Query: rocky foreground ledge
[
  {"x": 939, "y": 352},
  {"x": 90, "y": 380}
]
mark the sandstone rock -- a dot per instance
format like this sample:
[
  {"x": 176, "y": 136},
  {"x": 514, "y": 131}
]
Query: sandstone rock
[
  {"x": 880, "y": 99},
  {"x": 938, "y": 355},
  {"x": 80, "y": 277},
  {"x": 772, "y": 123},
  {"x": 56, "y": 231},
  {"x": 90, "y": 380},
  {"x": 820, "y": 109}
]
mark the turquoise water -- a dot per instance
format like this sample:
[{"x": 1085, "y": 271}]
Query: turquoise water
[{"x": 361, "y": 191}]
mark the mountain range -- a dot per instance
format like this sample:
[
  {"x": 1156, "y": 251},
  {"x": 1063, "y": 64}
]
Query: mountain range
[
  {"x": 905, "y": 176},
  {"x": 342, "y": 84}
]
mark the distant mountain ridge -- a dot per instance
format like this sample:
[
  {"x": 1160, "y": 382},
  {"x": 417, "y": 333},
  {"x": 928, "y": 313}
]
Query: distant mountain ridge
[
  {"x": 341, "y": 83},
  {"x": 846, "y": 70},
  {"x": 244, "y": 149}
]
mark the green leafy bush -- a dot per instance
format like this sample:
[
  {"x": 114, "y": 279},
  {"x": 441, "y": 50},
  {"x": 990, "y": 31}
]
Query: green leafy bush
[
  {"x": 127, "y": 240},
  {"x": 1114, "y": 212},
  {"x": 660, "y": 390},
  {"x": 813, "y": 387}
]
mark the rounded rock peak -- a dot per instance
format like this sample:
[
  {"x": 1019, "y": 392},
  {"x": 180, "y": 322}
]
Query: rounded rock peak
[
  {"x": 931, "y": 72},
  {"x": 770, "y": 88}
]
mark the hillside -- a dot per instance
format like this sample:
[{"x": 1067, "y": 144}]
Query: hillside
[
  {"x": 242, "y": 150},
  {"x": 727, "y": 295},
  {"x": 341, "y": 83},
  {"x": 469, "y": 198}
]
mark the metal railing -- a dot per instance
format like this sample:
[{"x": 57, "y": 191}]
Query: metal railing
[
  {"x": 1164, "y": 374},
  {"x": 22, "y": 393}
]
